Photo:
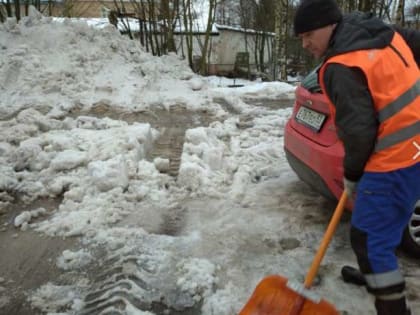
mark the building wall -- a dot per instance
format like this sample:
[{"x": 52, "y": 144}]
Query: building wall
[
  {"x": 230, "y": 43},
  {"x": 80, "y": 8},
  {"x": 224, "y": 47},
  {"x": 88, "y": 8}
]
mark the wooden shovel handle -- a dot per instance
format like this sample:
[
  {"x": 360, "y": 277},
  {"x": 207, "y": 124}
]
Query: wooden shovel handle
[{"x": 332, "y": 226}]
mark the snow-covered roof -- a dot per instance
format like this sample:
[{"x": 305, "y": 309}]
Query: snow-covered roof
[
  {"x": 133, "y": 24},
  {"x": 240, "y": 29},
  {"x": 98, "y": 23}
]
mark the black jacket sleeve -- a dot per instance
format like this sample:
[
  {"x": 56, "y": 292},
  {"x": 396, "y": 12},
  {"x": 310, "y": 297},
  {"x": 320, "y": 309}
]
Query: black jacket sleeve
[
  {"x": 412, "y": 38},
  {"x": 355, "y": 116}
]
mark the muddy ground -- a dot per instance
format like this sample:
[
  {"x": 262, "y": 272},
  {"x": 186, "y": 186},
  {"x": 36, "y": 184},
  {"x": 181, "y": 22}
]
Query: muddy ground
[{"x": 28, "y": 259}]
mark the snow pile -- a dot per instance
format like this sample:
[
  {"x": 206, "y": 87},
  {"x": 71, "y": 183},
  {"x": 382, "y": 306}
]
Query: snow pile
[
  {"x": 23, "y": 219},
  {"x": 50, "y": 298},
  {"x": 197, "y": 278},
  {"x": 74, "y": 260},
  {"x": 46, "y": 64},
  {"x": 212, "y": 166}
]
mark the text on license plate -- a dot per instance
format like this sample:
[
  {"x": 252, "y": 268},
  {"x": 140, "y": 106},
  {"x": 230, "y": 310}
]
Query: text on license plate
[{"x": 310, "y": 118}]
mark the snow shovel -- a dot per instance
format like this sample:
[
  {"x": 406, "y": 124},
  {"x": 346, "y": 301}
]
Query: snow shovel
[{"x": 275, "y": 295}]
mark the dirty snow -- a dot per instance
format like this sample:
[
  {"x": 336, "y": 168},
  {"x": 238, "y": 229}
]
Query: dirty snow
[{"x": 240, "y": 211}]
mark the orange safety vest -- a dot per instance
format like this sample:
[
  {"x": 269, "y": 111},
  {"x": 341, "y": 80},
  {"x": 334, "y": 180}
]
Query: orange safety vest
[{"x": 393, "y": 80}]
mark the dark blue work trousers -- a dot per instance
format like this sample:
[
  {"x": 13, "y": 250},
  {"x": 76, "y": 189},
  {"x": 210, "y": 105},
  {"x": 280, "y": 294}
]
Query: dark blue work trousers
[{"x": 383, "y": 207}]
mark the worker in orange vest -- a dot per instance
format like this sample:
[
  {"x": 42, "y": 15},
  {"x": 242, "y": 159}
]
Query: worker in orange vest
[{"x": 371, "y": 78}]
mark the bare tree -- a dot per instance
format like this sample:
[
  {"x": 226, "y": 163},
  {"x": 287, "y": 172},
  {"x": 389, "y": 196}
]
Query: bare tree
[
  {"x": 187, "y": 19},
  {"x": 264, "y": 24},
  {"x": 121, "y": 15},
  {"x": 365, "y": 5},
  {"x": 416, "y": 16},
  {"x": 6, "y": 10},
  {"x": 168, "y": 10},
  {"x": 3, "y": 12},
  {"x": 140, "y": 8},
  {"x": 204, "y": 51},
  {"x": 400, "y": 16},
  {"x": 147, "y": 16},
  {"x": 17, "y": 9},
  {"x": 248, "y": 14},
  {"x": 281, "y": 30}
]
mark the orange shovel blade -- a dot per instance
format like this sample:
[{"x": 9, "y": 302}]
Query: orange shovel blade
[{"x": 272, "y": 296}]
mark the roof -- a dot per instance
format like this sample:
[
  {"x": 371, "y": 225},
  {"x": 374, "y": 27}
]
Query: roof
[
  {"x": 242, "y": 30},
  {"x": 133, "y": 24}
]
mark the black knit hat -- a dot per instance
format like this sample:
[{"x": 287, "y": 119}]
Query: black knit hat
[{"x": 314, "y": 14}]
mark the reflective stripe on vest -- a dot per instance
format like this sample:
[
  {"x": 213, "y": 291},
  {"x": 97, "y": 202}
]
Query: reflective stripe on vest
[
  {"x": 405, "y": 99},
  {"x": 393, "y": 79},
  {"x": 397, "y": 137}
]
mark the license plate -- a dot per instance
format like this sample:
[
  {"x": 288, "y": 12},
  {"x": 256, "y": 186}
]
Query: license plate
[{"x": 310, "y": 118}]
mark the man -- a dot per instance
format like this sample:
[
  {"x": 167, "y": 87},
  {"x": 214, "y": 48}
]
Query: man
[{"x": 372, "y": 82}]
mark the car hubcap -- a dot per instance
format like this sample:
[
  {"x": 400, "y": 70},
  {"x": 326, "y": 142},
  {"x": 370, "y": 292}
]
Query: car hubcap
[{"x": 414, "y": 224}]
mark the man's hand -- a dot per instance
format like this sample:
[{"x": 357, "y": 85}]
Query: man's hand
[{"x": 350, "y": 187}]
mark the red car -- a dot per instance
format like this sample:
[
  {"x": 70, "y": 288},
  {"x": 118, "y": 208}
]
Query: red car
[{"x": 315, "y": 153}]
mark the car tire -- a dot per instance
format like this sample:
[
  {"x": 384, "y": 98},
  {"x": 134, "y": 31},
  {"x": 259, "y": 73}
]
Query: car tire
[{"x": 410, "y": 242}]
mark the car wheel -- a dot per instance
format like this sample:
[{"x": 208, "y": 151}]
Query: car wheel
[{"x": 411, "y": 237}]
